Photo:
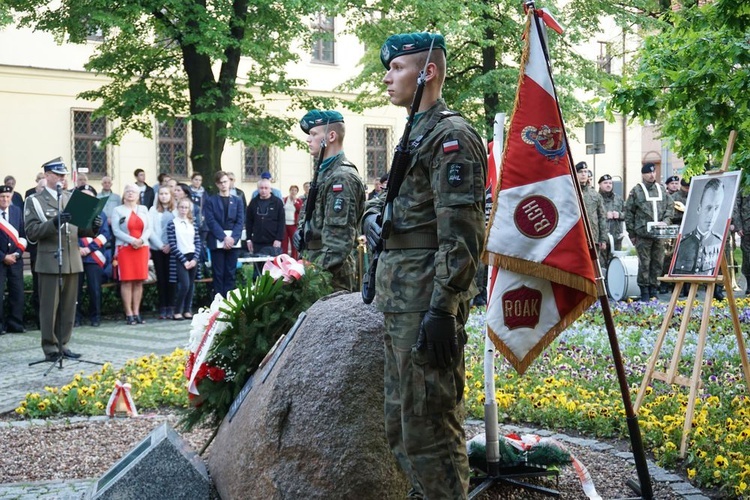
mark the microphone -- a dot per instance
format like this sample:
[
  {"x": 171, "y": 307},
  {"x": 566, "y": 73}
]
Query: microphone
[{"x": 59, "y": 187}]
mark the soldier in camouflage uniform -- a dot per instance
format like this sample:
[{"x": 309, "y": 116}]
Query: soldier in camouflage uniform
[
  {"x": 333, "y": 231},
  {"x": 648, "y": 202},
  {"x": 614, "y": 209},
  {"x": 594, "y": 207},
  {"x": 741, "y": 223},
  {"x": 673, "y": 189},
  {"x": 424, "y": 280}
]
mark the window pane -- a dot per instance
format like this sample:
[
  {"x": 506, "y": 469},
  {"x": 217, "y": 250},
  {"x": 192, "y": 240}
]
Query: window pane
[
  {"x": 88, "y": 134},
  {"x": 323, "y": 45},
  {"x": 377, "y": 154},
  {"x": 257, "y": 161},
  {"x": 173, "y": 148}
]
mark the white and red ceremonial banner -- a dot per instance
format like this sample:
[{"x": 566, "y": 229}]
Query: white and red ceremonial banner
[{"x": 544, "y": 277}]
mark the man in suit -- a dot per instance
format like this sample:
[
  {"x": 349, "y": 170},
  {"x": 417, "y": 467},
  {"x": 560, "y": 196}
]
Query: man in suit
[
  {"x": 12, "y": 246},
  {"x": 225, "y": 217},
  {"x": 57, "y": 304}
]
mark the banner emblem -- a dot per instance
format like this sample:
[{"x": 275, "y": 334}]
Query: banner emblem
[{"x": 548, "y": 141}]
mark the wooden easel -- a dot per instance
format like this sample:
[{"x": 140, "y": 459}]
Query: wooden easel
[{"x": 671, "y": 376}]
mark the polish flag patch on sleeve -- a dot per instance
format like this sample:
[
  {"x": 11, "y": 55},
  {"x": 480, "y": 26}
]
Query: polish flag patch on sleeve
[
  {"x": 451, "y": 146},
  {"x": 337, "y": 188}
]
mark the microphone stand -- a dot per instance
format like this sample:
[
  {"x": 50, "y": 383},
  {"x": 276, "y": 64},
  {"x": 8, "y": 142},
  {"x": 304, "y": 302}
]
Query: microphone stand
[{"x": 57, "y": 328}]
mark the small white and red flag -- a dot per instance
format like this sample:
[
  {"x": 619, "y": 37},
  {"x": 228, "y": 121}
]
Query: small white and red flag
[{"x": 544, "y": 277}]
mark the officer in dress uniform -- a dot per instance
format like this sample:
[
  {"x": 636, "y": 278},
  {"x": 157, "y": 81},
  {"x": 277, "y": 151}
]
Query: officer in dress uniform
[
  {"x": 333, "y": 230},
  {"x": 698, "y": 252},
  {"x": 12, "y": 246},
  {"x": 41, "y": 222}
]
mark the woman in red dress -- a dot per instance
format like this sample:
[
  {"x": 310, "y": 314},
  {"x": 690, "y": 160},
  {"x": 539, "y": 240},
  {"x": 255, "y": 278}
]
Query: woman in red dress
[{"x": 130, "y": 226}]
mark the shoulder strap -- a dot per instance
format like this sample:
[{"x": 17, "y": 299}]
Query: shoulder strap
[{"x": 434, "y": 120}]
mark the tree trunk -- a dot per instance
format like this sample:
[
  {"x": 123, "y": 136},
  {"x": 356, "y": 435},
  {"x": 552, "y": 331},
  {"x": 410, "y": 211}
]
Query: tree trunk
[{"x": 491, "y": 99}]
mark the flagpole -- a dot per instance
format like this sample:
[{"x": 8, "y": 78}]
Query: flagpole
[
  {"x": 491, "y": 431},
  {"x": 636, "y": 442}
]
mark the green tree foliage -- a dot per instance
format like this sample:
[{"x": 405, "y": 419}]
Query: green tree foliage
[
  {"x": 692, "y": 78},
  {"x": 169, "y": 58},
  {"x": 484, "y": 49}
]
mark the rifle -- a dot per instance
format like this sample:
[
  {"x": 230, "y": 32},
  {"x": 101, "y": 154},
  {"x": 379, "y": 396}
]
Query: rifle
[
  {"x": 312, "y": 195},
  {"x": 399, "y": 165}
]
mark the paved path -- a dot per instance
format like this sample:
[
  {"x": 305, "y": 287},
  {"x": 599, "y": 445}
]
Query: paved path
[{"x": 113, "y": 341}]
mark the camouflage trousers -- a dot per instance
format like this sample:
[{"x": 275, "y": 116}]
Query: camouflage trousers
[
  {"x": 424, "y": 413},
  {"x": 650, "y": 259}
]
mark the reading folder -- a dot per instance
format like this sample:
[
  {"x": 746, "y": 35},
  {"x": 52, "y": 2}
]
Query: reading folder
[{"x": 83, "y": 208}]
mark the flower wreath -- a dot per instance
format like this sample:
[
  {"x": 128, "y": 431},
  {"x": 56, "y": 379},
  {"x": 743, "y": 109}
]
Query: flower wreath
[{"x": 230, "y": 338}]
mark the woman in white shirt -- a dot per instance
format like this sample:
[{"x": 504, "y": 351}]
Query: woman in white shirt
[{"x": 185, "y": 247}]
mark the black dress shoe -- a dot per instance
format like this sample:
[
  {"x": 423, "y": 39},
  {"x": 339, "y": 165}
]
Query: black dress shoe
[
  {"x": 52, "y": 356},
  {"x": 70, "y": 354}
]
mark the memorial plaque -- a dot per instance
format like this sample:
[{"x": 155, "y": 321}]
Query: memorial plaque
[{"x": 161, "y": 466}]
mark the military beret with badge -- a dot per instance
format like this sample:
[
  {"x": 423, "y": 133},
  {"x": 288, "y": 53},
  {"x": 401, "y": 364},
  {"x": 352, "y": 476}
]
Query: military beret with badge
[
  {"x": 648, "y": 168},
  {"x": 409, "y": 43},
  {"x": 581, "y": 165},
  {"x": 5, "y": 189},
  {"x": 605, "y": 177},
  {"x": 315, "y": 118},
  {"x": 673, "y": 178}
]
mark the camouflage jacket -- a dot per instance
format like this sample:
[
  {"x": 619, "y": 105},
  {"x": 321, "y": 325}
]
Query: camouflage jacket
[
  {"x": 741, "y": 215},
  {"x": 680, "y": 196},
  {"x": 595, "y": 212},
  {"x": 334, "y": 225},
  {"x": 443, "y": 194},
  {"x": 613, "y": 202},
  {"x": 639, "y": 211}
]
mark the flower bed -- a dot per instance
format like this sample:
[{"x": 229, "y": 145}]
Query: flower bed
[{"x": 573, "y": 386}]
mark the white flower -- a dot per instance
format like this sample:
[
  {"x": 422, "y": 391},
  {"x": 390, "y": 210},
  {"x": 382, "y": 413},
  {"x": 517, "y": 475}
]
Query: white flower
[{"x": 201, "y": 321}]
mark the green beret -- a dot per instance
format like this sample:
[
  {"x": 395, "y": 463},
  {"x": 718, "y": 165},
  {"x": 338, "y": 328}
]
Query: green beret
[
  {"x": 314, "y": 118},
  {"x": 409, "y": 43}
]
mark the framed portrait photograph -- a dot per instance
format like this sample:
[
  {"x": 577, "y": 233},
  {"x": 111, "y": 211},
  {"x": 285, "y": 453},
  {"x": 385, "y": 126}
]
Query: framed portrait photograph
[{"x": 705, "y": 225}]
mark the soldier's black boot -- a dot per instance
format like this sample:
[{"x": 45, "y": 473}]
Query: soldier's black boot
[
  {"x": 719, "y": 292},
  {"x": 645, "y": 295},
  {"x": 654, "y": 291}
]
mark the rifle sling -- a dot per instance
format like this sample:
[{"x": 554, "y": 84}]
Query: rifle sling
[
  {"x": 430, "y": 126},
  {"x": 408, "y": 241}
]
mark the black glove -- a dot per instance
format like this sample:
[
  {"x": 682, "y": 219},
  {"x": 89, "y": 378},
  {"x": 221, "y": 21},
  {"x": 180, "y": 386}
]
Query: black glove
[
  {"x": 437, "y": 334},
  {"x": 372, "y": 231},
  {"x": 297, "y": 240},
  {"x": 64, "y": 217},
  {"x": 97, "y": 223}
]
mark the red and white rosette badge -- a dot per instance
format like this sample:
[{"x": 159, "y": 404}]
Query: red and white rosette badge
[
  {"x": 204, "y": 329},
  {"x": 121, "y": 401},
  {"x": 286, "y": 267}
]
